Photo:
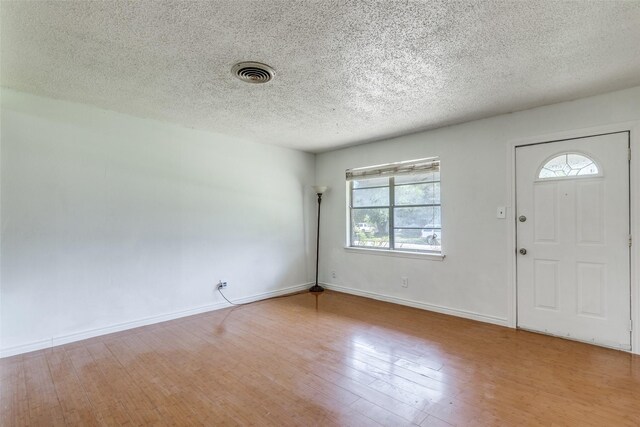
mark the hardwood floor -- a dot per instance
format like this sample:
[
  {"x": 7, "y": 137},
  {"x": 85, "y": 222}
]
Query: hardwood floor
[{"x": 354, "y": 362}]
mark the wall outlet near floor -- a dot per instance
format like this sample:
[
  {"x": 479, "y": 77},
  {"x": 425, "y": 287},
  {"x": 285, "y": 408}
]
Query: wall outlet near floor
[
  {"x": 405, "y": 282},
  {"x": 333, "y": 275},
  {"x": 221, "y": 284}
]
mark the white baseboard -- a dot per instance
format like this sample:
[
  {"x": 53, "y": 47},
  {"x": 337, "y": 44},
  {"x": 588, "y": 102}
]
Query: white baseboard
[
  {"x": 271, "y": 294},
  {"x": 83, "y": 335},
  {"x": 424, "y": 306}
]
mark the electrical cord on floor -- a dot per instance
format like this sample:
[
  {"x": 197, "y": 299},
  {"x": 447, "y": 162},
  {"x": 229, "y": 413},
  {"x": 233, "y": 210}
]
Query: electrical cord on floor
[
  {"x": 266, "y": 299},
  {"x": 237, "y": 305}
]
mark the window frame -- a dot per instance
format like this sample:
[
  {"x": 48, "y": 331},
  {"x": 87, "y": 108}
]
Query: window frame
[{"x": 391, "y": 206}]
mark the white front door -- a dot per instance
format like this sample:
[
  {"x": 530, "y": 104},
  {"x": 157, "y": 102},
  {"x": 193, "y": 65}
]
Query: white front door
[{"x": 572, "y": 216}]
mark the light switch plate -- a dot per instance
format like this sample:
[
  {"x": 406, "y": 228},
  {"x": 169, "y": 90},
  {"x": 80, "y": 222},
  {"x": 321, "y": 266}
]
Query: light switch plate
[{"x": 501, "y": 212}]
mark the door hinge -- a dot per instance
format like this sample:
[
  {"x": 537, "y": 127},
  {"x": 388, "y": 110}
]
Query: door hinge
[
  {"x": 629, "y": 155},
  {"x": 630, "y": 325},
  {"x": 630, "y": 240}
]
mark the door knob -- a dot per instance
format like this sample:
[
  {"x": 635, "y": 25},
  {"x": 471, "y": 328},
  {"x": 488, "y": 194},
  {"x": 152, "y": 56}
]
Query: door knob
[
  {"x": 523, "y": 251},
  {"x": 522, "y": 218}
]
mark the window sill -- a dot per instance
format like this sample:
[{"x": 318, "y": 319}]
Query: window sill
[{"x": 401, "y": 254}]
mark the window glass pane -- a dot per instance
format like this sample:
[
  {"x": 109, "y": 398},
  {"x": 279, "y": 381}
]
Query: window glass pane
[
  {"x": 418, "y": 240},
  {"x": 567, "y": 165},
  {"x": 546, "y": 173},
  {"x": 556, "y": 164},
  {"x": 434, "y": 194},
  {"x": 422, "y": 177},
  {"x": 417, "y": 217},
  {"x": 371, "y": 182},
  {"x": 370, "y": 197},
  {"x": 576, "y": 161},
  {"x": 591, "y": 169},
  {"x": 370, "y": 227},
  {"x": 418, "y": 194}
]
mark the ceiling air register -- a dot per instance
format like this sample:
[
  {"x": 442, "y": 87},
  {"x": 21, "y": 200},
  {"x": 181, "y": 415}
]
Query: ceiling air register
[{"x": 253, "y": 72}]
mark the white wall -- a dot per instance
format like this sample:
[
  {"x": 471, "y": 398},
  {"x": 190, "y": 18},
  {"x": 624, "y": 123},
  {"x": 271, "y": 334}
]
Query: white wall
[
  {"x": 473, "y": 279},
  {"x": 110, "y": 221}
]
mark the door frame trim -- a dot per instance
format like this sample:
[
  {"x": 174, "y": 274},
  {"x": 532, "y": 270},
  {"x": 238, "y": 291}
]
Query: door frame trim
[{"x": 633, "y": 128}]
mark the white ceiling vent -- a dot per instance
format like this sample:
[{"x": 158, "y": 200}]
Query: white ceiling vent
[{"x": 253, "y": 72}]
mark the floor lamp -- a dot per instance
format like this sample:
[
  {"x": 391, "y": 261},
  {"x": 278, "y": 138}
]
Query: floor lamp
[{"x": 319, "y": 190}]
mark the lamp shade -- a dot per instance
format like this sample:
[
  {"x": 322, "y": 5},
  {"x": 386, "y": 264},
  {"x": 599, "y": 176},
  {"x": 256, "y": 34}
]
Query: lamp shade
[{"x": 319, "y": 189}]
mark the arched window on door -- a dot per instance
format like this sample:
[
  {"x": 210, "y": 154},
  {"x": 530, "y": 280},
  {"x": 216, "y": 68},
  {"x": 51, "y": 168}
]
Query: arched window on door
[{"x": 568, "y": 165}]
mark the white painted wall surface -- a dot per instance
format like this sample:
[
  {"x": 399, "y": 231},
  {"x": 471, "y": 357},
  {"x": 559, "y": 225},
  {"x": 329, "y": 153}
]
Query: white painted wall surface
[
  {"x": 109, "y": 220},
  {"x": 473, "y": 280}
]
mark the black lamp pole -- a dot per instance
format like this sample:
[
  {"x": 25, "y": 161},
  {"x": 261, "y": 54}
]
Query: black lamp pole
[{"x": 316, "y": 287}]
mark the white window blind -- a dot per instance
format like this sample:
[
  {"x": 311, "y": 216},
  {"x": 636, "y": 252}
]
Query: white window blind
[{"x": 431, "y": 164}]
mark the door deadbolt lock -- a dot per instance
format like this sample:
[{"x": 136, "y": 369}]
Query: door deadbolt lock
[
  {"x": 522, "y": 218},
  {"x": 523, "y": 251}
]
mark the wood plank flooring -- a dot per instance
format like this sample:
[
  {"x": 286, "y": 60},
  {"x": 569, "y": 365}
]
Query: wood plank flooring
[{"x": 353, "y": 362}]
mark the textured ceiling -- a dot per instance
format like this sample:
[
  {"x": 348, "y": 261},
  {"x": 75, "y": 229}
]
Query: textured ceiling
[{"x": 347, "y": 71}]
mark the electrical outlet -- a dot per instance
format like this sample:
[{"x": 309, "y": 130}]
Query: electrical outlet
[
  {"x": 333, "y": 275},
  {"x": 221, "y": 284},
  {"x": 405, "y": 282}
]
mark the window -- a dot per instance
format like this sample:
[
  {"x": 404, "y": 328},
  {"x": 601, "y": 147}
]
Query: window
[
  {"x": 568, "y": 164},
  {"x": 396, "y": 206}
]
